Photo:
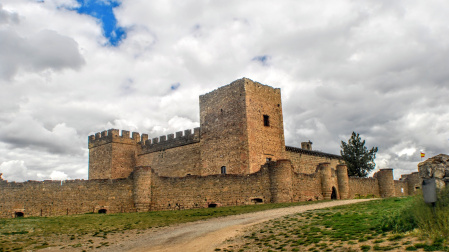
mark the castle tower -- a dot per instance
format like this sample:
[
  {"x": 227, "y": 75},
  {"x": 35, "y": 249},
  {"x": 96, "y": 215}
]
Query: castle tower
[
  {"x": 386, "y": 182},
  {"x": 326, "y": 183},
  {"x": 112, "y": 156},
  {"x": 142, "y": 188},
  {"x": 414, "y": 182},
  {"x": 281, "y": 185},
  {"x": 343, "y": 181},
  {"x": 241, "y": 128}
]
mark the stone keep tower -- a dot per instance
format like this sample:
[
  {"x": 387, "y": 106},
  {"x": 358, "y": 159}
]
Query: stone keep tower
[
  {"x": 111, "y": 155},
  {"x": 241, "y": 128}
]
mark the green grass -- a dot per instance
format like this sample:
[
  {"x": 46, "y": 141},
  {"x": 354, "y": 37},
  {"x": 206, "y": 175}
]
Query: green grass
[
  {"x": 432, "y": 222},
  {"x": 358, "y": 227},
  {"x": 30, "y": 233}
]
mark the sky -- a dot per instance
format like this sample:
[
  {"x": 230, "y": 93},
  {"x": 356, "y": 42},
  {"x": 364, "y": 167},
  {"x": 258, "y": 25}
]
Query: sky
[{"x": 69, "y": 69}]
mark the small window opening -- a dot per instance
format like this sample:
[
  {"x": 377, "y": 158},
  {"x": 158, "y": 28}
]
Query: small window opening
[
  {"x": 212, "y": 205},
  {"x": 266, "y": 120},
  {"x": 257, "y": 200},
  {"x": 223, "y": 170},
  {"x": 19, "y": 214},
  {"x": 102, "y": 211}
]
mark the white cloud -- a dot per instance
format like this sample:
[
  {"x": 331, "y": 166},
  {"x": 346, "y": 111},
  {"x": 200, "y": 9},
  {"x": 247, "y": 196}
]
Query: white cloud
[
  {"x": 14, "y": 170},
  {"x": 58, "y": 175}
]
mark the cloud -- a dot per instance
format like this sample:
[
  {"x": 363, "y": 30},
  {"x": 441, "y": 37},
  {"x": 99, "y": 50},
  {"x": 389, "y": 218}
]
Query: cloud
[
  {"x": 45, "y": 50},
  {"x": 14, "y": 170},
  {"x": 24, "y": 131},
  {"x": 58, "y": 175},
  {"x": 376, "y": 68}
]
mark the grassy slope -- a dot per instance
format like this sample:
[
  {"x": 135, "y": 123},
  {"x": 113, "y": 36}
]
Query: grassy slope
[
  {"x": 358, "y": 227},
  {"x": 29, "y": 233}
]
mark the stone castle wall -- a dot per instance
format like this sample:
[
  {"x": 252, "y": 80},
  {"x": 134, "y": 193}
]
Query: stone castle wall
[
  {"x": 50, "y": 198},
  {"x": 170, "y": 193},
  {"x": 400, "y": 188},
  {"x": 174, "y": 162},
  {"x": 363, "y": 187},
  {"x": 305, "y": 161},
  {"x": 145, "y": 190}
]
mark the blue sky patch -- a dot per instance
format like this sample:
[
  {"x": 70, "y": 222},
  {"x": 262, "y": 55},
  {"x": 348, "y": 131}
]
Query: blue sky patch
[
  {"x": 262, "y": 59},
  {"x": 175, "y": 86},
  {"x": 103, "y": 11}
]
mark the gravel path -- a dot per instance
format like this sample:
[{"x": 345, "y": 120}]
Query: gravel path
[{"x": 206, "y": 235}]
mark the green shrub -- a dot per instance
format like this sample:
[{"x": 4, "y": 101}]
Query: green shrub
[{"x": 431, "y": 221}]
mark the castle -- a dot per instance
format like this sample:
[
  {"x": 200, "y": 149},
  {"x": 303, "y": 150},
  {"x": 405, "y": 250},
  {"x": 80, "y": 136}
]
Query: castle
[{"x": 237, "y": 156}]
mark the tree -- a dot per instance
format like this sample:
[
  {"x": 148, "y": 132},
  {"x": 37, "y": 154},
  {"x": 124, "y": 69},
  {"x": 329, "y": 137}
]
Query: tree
[{"x": 359, "y": 160}]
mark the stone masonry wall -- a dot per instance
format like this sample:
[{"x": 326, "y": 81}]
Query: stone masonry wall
[
  {"x": 50, "y": 198},
  {"x": 400, "y": 188},
  {"x": 264, "y": 141},
  {"x": 112, "y": 155},
  {"x": 200, "y": 191},
  {"x": 363, "y": 187},
  {"x": 224, "y": 135},
  {"x": 174, "y": 162},
  {"x": 307, "y": 161},
  {"x": 100, "y": 159},
  {"x": 306, "y": 187}
]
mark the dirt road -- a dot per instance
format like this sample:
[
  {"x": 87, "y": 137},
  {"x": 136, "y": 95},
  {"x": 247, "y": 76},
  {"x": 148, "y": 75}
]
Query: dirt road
[{"x": 208, "y": 234}]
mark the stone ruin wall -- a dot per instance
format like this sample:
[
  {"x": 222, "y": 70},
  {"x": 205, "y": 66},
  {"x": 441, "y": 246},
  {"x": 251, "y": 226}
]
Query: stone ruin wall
[
  {"x": 51, "y": 198},
  {"x": 414, "y": 182},
  {"x": 400, "y": 188},
  {"x": 436, "y": 167}
]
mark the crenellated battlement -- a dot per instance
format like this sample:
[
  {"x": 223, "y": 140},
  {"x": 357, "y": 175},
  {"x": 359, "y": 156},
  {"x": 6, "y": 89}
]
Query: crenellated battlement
[
  {"x": 180, "y": 138},
  {"x": 114, "y": 136}
]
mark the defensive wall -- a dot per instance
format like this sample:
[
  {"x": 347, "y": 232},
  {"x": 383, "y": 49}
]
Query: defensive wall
[
  {"x": 145, "y": 190},
  {"x": 51, "y": 198}
]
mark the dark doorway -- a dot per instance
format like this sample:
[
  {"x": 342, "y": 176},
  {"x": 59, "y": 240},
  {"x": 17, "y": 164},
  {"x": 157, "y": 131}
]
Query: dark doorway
[
  {"x": 102, "y": 211},
  {"x": 19, "y": 214},
  {"x": 212, "y": 205},
  {"x": 334, "y": 193},
  {"x": 223, "y": 170}
]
